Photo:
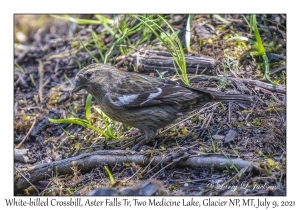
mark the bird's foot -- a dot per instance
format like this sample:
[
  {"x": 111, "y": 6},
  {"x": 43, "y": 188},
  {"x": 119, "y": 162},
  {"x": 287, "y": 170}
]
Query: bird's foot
[
  {"x": 142, "y": 140},
  {"x": 125, "y": 143}
]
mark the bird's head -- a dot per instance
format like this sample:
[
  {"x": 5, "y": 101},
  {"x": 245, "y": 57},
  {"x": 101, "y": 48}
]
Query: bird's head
[{"x": 91, "y": 77}]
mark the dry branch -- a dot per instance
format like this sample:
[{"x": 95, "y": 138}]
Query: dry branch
[
  {"x": 152, "y": 61},
  {"x": 86, "y": 162},
  {"x": 21, "y": 155},
  {"x": 274, "y": 88}
]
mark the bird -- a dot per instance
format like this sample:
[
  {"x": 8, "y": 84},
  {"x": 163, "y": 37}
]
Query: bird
[{"x": 144, "y": 102}]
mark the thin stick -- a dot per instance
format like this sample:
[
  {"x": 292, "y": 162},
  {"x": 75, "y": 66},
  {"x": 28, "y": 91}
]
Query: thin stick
[
  {"x": 41, "y": 74},
  {"x": 161, "y": 170},
  {"x": 147, "y": 165},
  {"x": 278, "y": 69},
  {"x": 27, "y": 180},
  {"x": 20, "y": 144},
  {"x": 209, "y": 117},
  {"x": 251, "y": 110},
  {"x": 207, "y": 123},
  {"x": 157, "y": 164},
  {"x": 229, "y": 112},
  {"x": 133, "y": 175},
  {"x": 271, "y": 87}
]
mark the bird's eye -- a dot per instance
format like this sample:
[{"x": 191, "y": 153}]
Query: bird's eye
[{"x": 89, "y": 75}]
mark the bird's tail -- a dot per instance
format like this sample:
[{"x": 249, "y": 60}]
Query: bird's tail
[{"x": 226, "y": 97}]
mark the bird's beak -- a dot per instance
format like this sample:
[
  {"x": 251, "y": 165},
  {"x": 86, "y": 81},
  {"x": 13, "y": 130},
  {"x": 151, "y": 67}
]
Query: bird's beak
[{"x": 77, "y": 86}]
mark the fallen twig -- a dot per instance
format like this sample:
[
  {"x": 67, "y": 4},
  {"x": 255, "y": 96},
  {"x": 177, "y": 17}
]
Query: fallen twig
[
  {"x": 87, "y": 162},
  {"x": 28, "y": 182},
  {"x": 278, "y": 69},
  {"x": 267, "y": 86},
  {"x": 32, "y": 126},
  {"x": 251, "y": 110},
  {"x": 152, "y": 177},
  {"x": 271, "y": 87},
  {"x": 41, "y": 74}
]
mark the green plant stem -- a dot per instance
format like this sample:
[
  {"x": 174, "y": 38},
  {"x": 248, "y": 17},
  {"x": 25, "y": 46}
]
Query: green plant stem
[{"x": 78, "y": 121}]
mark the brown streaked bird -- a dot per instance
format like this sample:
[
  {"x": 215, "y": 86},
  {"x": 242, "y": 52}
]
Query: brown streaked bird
[{"x": 144, "y": 102}]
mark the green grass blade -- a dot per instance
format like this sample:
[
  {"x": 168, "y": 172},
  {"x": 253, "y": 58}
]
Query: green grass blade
[
  {"x": 67, "y": 79},
  {"x": 180, "y": 57},
  {"x": 90, "y": 54},
  {"x": 267, "y": 68},
  {"x": 98, "y": 44},
  {"x": 249, "y": 25},
  {"x": 88, "y": 107},
  {"x": 260, "y": 46},
  {"x": 222, "y": 19},
  {"x": 171, "y": 42},
  {"x": 76, "y": 20},
  {"x": 119, "y": 40},
  {"x": 231, "y": 162},
  {"x": 107, "y": 123},
  {"x": 261, "y": 49},
  {"x": 105, "y": 21},
  {"x": 17, "y": 66},
  {"x": 111, "y": 178},
  {"x": 188, "y": 32},
  {"x": 32, "y": 79},
  {"x": 78, "y": 121}
]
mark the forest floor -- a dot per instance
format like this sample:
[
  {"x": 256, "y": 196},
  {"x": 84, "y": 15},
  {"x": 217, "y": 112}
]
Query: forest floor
[{"x": 50, "y": 51}]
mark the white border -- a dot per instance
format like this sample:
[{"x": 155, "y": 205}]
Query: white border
[{"x": 154, "y": 6}]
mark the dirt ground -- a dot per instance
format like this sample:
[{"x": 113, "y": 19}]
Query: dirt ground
[{"x": 48, "y": 54}]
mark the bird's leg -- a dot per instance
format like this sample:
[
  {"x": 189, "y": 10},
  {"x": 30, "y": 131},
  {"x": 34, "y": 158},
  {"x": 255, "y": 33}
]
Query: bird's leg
[
  {"x": 149, "y": 134},
  {"x": 126, "y": 142}
]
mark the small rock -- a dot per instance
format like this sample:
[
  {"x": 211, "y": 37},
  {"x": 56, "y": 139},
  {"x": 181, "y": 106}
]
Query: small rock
[
  {"x": 21, "y": 155},
  {"x": 177, "y": 19},
  {"x": 230, "y": 136},
  {"x": 202, "y": 32},
  {"x": 21, "y": 37},
  {"x": 55, "y": 156},
  {"x": 218, "y": 137}
]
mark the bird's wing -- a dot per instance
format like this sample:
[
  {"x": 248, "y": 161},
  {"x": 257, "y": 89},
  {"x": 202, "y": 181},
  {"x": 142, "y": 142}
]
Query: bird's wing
[{"x": 154, "y": 92}]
